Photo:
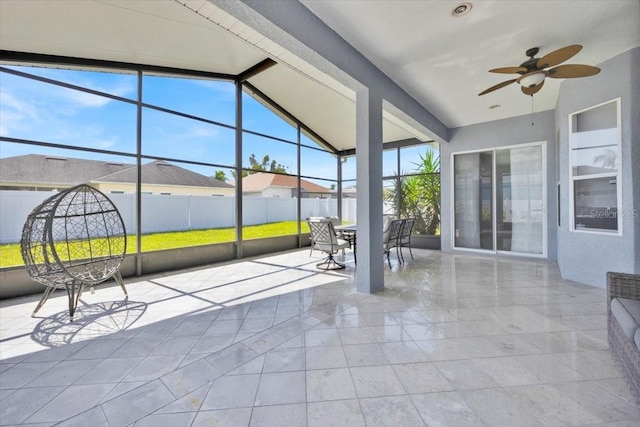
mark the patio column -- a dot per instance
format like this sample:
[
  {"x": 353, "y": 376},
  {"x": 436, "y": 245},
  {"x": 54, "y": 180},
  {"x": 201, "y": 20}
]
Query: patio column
[{"x": 370, "y": 269}]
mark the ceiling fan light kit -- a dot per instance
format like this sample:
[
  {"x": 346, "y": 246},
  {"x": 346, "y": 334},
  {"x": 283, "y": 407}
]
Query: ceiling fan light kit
[
  {"x": 532, "y": 79},
  {"x": 532, "y": 71}
]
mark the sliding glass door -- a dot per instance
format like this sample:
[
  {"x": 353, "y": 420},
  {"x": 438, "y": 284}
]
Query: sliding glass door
[
  {"x": 474, "y": 200},
  {"x": 499, "y": 200}
]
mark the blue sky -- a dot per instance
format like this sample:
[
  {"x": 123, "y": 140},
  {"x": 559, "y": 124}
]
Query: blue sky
[{"x": 38, "y": 111}]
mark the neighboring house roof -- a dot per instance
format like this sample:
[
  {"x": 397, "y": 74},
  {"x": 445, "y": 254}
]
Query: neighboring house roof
[
  {"x": 36, "y": 168},
  {"x": 261, "y": 180},
  {"x": 163, "y": 173}
]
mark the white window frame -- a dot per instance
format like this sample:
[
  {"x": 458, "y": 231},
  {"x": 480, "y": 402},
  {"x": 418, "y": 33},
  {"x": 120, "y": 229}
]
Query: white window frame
[
  {"x": 545, "y": 213},
  {"x": 617, "y": 174}
]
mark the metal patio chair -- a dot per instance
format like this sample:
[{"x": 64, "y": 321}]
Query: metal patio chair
[
  {"x": 391, "y": 238},
  {"x": 405, "y": 236},
  {"x": 323, "y": 237}
]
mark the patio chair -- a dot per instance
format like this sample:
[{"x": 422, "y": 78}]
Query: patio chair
[
  {"x": 324, "y": 239},
  {"x": 391, "y": 238},
  {"x": 405, "y": 236},
  {"x": 313, "y": 218}
]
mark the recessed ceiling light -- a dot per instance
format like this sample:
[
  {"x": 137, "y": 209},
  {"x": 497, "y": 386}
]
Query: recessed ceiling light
[
  {"x": 494, "y": 106},
  {"x": 461, "y": 9}
]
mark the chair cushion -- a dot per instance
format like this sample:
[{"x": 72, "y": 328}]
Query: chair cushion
[{"x": 627, "y": 313}]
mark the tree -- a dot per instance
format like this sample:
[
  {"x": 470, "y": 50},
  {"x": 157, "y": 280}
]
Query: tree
[
  {"x": 267, "y": 165},
  {"x": 220, "y": 176},
  {"x": 273, "y": 166}
]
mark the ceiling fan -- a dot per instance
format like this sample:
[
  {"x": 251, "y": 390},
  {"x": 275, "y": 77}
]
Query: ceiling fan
[{"x": 532, "y": 71}]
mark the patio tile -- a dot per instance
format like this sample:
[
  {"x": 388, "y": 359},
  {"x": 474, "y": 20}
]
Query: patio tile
[
  {"x": 153, "y": 367},
  {"x": 64, "y": 373},
  {"x": 601, "y": 403},
  {"x": 389, "y": 333},
  {"x": 191, "y": 327},
  {"x": 549, "y": 367},
  {"x": 360, "y": 335},
  {"x": 372, "y": 381},
  {"x": 496, "y": 407},
  {"x": 325, "y": 357},
  {"x": 112, "y": 370},
  {"x": 190, "y": 402},
  {"x": 395, "y": 411},
  {"x": 137, "y": 347},
  {"x": 444, "y": 349},
  {"x": 94, "y": 417},
  {"x": 285, "y": 359},
  {"x": 364, "y": 355},
  {"x": 190, "y": 377},
  {"x": 553, "y": 407},
  {"x": 98, "y": 349},
  {"x": 334, "y": 356},
  {"x": 254, "y": 366},
  {"x": 445, "y": 409},
  {"x": 22, "y": 403},
  {"x": 465, "y": 374},
  {"x": 212, "y": 343},
  {"x": 167, "y": 420},
  {"x": 72, "y": 401},
  {"x": 329, "y": 384},
  {"x": 232, "y": 391},
  {"x": 322, "y": 337},
  {"x": 337, "y": 413},
  {"x": 264, "y": 341},
  {"x": 231, "y": 357},
  {"x": 403, "y": 352},
  {"x": 225, "y": 417},
  {"x": 279, "y": 416},
  {"x": 421, "y": 378},
  {"x": 175, "y": 345},
  {"x": 281, "y": 388},
  {"x": 137, "y": 403}
]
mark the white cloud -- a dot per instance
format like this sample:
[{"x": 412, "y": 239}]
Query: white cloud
[{"x": 14, "y": 113}]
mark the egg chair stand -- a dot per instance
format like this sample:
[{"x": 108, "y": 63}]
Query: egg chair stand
[{"x": 74, "y": 239}]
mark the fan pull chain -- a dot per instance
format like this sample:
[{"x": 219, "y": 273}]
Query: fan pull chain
[{"x": 531, "y": 110}]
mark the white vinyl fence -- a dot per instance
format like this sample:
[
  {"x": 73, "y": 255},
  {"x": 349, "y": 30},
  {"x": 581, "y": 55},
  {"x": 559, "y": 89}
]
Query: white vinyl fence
[{"x": 176, "y": 213}]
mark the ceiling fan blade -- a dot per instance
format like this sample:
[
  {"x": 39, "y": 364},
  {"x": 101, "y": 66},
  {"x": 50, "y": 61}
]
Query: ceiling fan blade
[
  {"x": 509, "y": 70},
  {"x": 558, "y": 56},
  {"x": 572, "y": 71},
  {"x": 532, "y": 90},
  {"x": 496, "y": 87}
]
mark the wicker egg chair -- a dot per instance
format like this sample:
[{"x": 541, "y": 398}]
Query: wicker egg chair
[{"x": 74, "y": 238}]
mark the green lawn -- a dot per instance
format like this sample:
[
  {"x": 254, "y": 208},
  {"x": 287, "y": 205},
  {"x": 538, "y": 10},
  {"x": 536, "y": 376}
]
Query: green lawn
[{"x": 10, "y": 253}]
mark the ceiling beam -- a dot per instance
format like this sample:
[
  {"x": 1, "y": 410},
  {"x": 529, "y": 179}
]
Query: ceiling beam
[
  {"x": 43, "y": 59},
  {"x": 255, "y": 70}
]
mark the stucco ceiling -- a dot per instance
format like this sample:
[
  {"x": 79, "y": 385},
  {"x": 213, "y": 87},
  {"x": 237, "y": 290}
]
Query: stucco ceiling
[
  {"x": 443, "y": 61},
  {"x": 439, "y": 60}
]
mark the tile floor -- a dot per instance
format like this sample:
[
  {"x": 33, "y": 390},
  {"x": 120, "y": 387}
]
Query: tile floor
[{"x": 453, "y": 340}]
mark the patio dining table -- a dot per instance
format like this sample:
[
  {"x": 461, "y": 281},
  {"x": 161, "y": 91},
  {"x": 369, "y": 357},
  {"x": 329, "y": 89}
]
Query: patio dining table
[{"x": 348, "y": 232}]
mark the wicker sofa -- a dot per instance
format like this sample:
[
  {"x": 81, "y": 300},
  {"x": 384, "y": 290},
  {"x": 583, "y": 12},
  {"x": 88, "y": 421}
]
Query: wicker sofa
[{"x": 623, "y": 315}]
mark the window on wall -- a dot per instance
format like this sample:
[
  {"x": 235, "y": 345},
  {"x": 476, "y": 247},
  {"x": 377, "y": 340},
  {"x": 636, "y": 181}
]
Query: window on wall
[{"x": 595, "y": 169}]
